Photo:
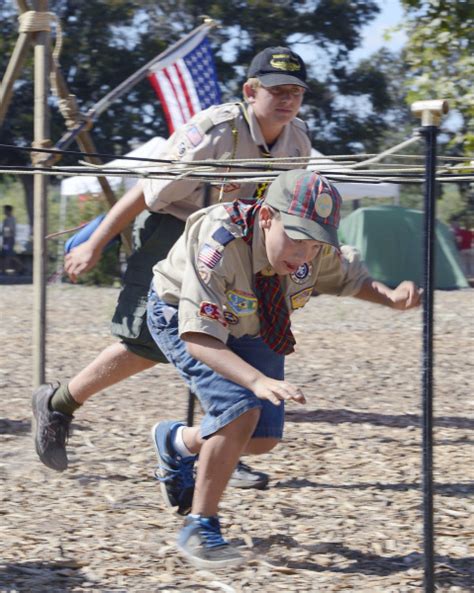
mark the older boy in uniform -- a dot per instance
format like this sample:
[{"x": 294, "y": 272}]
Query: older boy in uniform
[
  {"x": 266, "y": 125},
  {"x": 219, "y": 310}
]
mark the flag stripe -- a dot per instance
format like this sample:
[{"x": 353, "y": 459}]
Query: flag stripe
[
  {"x": 168, "y": 72},
  {"x": 189, "y": 104},
  {"x": 185, "y": 81}
]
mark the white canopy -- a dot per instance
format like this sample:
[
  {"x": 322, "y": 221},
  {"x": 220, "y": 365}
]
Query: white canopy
[
  {"x": 356, "y": 191},
  {"x": 73, "y": 186},
  {"x": 78, "y": 185}
]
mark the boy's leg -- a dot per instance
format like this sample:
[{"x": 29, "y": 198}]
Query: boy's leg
[
  {"x": 54, "y": 404},
  {"x": 112, "y": 365},
  {"x": 218, "y": 457}
]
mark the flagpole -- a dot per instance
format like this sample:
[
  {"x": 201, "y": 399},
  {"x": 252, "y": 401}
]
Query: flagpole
[{"x": 122, "y": 88}]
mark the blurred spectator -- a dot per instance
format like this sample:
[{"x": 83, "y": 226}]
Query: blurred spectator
[
  {"x": 9, "y": 260},
  {"x": 464, "y": 237},
  {"x": 465, "y": 243}
]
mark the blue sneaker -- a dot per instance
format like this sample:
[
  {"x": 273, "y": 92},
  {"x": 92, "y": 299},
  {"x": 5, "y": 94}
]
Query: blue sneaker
[
  {"x": 200, "y": 541},
  {"x": 175, "y": 473}
]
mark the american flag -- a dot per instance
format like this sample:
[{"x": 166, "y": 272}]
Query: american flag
[
  {"x": 209, "y": 256},
  {"x": 185, "y": 81}
]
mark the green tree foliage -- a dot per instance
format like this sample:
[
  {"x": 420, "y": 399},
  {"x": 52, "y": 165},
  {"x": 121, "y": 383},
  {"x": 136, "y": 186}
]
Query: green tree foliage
[
  {"x": 106, "y": 40},
  {"x": 440, "y": 56}
]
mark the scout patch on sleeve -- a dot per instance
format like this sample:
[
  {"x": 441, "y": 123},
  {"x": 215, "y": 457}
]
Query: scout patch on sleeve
[
  {"x": 209, "y": 256},
  {"x": 231, "y": 318},
  {"x": 223, "y": 236},
  {"x": 305, "y": 270},
  {"x": 242, "y": 303},
  {"x": 181, "y": 149},
  {"x": 212, "y": 311},
  {"x": 204, "y": 273},
  {"x": 194, "y": 135},
  {"x": 299, "y": 299}
]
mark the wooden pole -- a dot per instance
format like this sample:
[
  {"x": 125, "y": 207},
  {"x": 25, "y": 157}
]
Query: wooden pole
[
  {"x": 11, "y": 74},
  {"x": 86, "y": 144},
  {"x": 41, "y": 133}
]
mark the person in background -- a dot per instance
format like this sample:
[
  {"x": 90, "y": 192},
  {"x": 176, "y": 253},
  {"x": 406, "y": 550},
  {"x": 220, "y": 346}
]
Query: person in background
[{"x": 9, "y": 260}]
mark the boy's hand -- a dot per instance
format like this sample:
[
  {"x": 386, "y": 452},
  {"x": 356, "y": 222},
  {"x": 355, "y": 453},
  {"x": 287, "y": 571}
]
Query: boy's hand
[
  {"x": 80, "y": 260},
  {"x": 276, "y": 391},
  {"x": 406, "y": 296}
]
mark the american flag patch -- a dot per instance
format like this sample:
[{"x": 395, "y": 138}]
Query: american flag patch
[
  {"x": 194, "y": 135},
  {"x": 209, "y": 256}
]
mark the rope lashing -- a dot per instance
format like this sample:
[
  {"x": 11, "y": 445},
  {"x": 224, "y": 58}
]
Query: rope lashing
[
  {"x": 34, "y": 21},
  {"x": 39, "y": 158}
]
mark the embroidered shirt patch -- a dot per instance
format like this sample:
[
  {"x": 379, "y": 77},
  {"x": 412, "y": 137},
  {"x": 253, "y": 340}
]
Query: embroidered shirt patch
[
  {"x": 299, "y": 299},
  {"x": 223, "y": 236},
  {"x": 301, "y": 273},
  {"x": 211, "y": 311},
  {"x": 194, "y": 135},
  {"x": 231, "y": 318},
  {"x": 242, "y": 303},
  {"x": 209, "y": 256}
]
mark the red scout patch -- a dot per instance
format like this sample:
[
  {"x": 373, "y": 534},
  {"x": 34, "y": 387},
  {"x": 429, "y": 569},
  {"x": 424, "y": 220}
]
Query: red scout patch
[{"x": 211, "y": 311}]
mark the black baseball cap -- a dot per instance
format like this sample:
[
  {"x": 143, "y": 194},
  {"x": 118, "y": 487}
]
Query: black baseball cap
[{"x": 278, "y": 65}]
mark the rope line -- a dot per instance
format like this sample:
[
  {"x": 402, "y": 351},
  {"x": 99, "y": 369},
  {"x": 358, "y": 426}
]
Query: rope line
[
  {"x": 240, "y": 177},
  {"x": 334, "y": 157}
]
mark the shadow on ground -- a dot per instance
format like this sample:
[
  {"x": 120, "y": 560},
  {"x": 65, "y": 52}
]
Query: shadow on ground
[{"x": 341, "y": 416}]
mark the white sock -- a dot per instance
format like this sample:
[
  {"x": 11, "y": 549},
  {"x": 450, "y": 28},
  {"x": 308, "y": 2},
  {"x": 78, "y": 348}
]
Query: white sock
[{"x": 178, "y": 443}]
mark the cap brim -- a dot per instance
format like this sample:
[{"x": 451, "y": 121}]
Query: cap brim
[
  {"x": 277, "y": 79},
  {"x": 303, "y": 228}
]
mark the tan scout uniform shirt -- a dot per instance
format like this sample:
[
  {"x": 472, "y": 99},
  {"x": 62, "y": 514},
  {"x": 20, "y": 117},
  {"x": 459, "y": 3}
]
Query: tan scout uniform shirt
[
  {"x": 214, "y": 284},
  {"x": 220, "y": 132}
]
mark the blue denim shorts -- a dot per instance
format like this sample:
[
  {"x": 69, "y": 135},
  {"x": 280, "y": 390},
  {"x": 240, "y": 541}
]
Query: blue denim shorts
[{"x": 222, "y": 400}]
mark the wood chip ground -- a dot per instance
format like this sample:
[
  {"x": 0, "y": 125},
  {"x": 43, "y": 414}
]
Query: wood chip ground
[{"x": 343, "y": 511}]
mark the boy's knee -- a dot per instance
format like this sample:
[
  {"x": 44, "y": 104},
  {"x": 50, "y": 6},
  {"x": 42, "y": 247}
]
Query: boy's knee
[{"x": 260, "y": 445}]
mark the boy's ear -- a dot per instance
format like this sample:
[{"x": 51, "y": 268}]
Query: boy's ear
[
  {"x": 249, "y": 92},
  {"x": 265, "y": 217}
]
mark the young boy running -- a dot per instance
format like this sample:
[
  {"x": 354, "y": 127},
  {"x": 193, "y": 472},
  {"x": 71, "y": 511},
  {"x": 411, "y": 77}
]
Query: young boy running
[{"x": 219, "y": 310}]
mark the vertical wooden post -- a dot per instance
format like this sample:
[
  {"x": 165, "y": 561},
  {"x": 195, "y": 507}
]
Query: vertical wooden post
[{"x": 41, "y": 132}]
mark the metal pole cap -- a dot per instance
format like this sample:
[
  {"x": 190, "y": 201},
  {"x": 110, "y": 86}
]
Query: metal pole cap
[{"x": 430, "y": 111}]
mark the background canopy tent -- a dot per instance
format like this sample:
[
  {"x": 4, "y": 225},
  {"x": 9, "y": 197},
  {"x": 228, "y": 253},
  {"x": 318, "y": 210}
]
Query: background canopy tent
[
  {"x": 390, "y": 239},
  {"x": 88, "y": 184}
]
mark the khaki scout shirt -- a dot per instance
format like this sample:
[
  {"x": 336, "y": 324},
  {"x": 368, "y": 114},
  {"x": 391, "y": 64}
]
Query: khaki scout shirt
[
  {"x": 213, "y": 284},
  {"x": 220, "y": 132}
]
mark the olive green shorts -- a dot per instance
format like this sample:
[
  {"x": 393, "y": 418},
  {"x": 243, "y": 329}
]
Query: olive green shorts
[{"x": 153, "y": 236}]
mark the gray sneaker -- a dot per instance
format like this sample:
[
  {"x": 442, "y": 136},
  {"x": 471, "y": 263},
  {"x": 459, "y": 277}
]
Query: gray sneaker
[
  {"x": 52, "y": 429},
  {"x": 244, "y": 476},
  {"x": 200, "y": 541}
]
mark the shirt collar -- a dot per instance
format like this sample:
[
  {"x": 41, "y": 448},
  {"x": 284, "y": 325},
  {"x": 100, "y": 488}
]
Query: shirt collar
[{"x": 257, "y": 136}]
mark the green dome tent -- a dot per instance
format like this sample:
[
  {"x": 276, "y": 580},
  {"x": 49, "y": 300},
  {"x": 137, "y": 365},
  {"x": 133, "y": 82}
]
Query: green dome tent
[{"x": 390, "y": 239}]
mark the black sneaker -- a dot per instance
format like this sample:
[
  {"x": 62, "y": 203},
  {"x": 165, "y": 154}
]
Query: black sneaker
[
  {"x": 175, "y": 473},
  {"x": 201, "y": 542},
  {"x": 52, "y": 429},
  {"x": 244, "y": 476}
]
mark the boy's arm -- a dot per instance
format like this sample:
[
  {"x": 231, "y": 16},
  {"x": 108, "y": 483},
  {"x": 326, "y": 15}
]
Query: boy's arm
[
  {"x": 85, "y": 256},
  {"x": 216, "y": 355},
  {"x": 405, "y": 296}
]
